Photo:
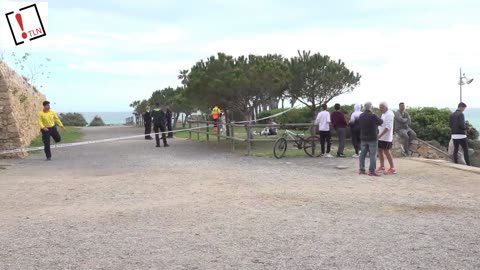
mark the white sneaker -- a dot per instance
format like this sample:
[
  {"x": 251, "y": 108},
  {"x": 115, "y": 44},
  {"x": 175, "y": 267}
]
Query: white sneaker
[
  {"x": 328, "y": 156},
  {"x": 355, "y": 156}
]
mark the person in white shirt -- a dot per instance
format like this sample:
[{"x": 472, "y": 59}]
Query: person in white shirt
[
  {"x": 323, "y": 121},
  {"x": 385, "y": 139}
]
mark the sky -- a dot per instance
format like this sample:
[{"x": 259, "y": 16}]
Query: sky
[{"x": 105, "y": 54}]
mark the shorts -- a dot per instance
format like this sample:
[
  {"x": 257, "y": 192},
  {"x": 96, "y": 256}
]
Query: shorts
[{"x": 384, "y": 145}]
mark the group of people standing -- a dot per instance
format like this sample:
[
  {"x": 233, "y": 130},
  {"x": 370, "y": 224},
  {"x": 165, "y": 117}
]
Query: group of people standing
[
  {"x": 161, "y": 117},
  {"x": 370, "y": 134},
  {"x": 373, "y": 135}
]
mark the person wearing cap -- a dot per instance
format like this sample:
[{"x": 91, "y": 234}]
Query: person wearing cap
[
  {"x": 147, "y": 120},
  {"x": 48, "y": 121}
]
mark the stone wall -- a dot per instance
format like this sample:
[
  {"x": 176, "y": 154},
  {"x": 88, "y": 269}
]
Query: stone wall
[
  {"x": 429, "y": 150},
  {"x": 19, "y": 106}
]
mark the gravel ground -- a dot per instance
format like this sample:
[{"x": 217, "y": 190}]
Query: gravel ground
[{"x": 129, "y": 205}]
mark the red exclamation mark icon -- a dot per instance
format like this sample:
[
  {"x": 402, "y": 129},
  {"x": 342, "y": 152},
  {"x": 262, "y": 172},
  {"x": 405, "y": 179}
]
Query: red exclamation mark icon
[{"x": 20, "y": 22}]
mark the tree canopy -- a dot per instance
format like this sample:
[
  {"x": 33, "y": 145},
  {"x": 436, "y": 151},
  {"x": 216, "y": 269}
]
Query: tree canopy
[
  {"x": 317, "y": 79},
  {"x": 250, "y": 84}
]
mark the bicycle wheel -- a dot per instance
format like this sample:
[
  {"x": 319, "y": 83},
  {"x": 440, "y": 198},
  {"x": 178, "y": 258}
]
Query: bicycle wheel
[
  {"x": 311, "y": 146},
  {"x": 280, "y": 147}
]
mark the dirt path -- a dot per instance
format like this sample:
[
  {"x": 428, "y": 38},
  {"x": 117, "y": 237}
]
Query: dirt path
[{"x": 129, "y": 205}]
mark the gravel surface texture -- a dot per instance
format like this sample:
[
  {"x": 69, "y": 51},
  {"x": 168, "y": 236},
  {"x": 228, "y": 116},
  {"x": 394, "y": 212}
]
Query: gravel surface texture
[{"x": 129, "y": 205}]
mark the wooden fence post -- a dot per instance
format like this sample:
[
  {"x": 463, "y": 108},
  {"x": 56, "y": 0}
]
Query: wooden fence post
[
  {"x": 190, "y": 131},
  {"x": 249, "y": 145},
  {"x": 208, "y": 132},
  {"x": 232, "y": 134}
]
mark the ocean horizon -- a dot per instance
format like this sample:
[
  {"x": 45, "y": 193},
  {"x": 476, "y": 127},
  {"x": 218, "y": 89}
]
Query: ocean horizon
[{"x": 109, "y": 118}]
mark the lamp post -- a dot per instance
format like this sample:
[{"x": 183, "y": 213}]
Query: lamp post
[{"x": 463, "y": 80}]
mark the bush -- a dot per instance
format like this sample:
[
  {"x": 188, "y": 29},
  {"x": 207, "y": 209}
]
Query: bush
[
  {"x": 97, "y": 122},
  {"x": 73, "y": 119},
  {"x": 472, "y": 132},
  {"x": 346, "y": 109},
  {"x": 300, "y": 115},
  {"x": 431, "y": 124}
]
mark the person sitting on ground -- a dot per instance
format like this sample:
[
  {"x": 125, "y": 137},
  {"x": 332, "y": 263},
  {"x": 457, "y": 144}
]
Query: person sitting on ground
[
  {"x": 402, "y": 122},
  {"x": 270, "y": 129}
]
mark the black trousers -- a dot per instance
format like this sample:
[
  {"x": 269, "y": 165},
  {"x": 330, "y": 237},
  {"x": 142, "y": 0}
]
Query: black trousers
[
  {"x": 148, "y": 129},
  {"x": 325, "y": 136},
  {"x": 169, "y": 128},
  {"x": 46, "y": 135},
  {"x": 464, "y": 144},
  {"x": 157, "y": 128},
  {"x": 356, "y": 139}
]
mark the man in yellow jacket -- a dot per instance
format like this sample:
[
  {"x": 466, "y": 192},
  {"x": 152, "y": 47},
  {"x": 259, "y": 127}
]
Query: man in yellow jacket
[{"x": 48, "y": 122}]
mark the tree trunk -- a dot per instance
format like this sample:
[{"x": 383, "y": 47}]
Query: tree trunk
[
  {"x": 175, "y": 121},
  {"x": 184, "y": 122}
]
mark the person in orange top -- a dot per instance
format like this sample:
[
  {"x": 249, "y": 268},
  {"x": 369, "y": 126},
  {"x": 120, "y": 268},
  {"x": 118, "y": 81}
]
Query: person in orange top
[
  {"x": 48, "y": 122},
  {"x": 216, "y": 112}
]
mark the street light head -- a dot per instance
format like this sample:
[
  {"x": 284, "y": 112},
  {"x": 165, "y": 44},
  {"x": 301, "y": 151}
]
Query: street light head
[{"x": 469, "y": 81}]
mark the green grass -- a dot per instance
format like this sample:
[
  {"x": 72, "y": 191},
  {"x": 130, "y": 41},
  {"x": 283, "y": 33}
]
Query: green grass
[
  {"x": 69, "y": 135},
  {"x": 259, "y": 149}
]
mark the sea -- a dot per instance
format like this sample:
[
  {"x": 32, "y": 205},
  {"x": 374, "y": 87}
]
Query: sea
[
  {"x": 109, "y": 118},
  {"x": 472, "y": 115}
]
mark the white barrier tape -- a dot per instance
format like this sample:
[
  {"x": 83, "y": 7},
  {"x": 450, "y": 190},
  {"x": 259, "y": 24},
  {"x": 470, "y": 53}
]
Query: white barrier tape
[
  {"x": 268, "y": 117},
  {"x": 31, "y": 149}
]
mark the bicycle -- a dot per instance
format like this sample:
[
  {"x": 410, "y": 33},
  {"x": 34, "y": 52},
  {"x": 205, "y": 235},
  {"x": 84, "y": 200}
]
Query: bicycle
[{"x": 299, "y": 141}]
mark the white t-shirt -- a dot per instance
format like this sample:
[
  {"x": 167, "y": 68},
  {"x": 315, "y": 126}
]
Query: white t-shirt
[
  {"x": 387, "y": 118},
  {"x": 323, "y": 121},
  {"x": 459, "y": 136}
]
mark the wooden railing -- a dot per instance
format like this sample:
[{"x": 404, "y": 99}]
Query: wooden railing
[{"x": 207, "y": 128}]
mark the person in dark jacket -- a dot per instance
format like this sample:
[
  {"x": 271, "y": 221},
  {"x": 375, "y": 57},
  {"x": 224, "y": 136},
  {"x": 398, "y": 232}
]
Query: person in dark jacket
[
  {"x": 339, "y": 123},
  {"x": 168, "y": 119},
  {"x": 459, "y": 133},
  {"x": 158, "y": 116},
  {"x": 147, "y": 120},
  {"x": 369, "y": 123}
]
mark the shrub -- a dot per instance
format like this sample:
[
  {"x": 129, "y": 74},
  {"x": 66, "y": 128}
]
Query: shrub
[
  {"x": 472, "y": 132},
  {"x": 97, "y": 121},
  {"x": 73, "y": 119},
  {"x": 431, "y": 124},
  {"x": 346, "y": 109},
  {"x": 299, "y": 115}
]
